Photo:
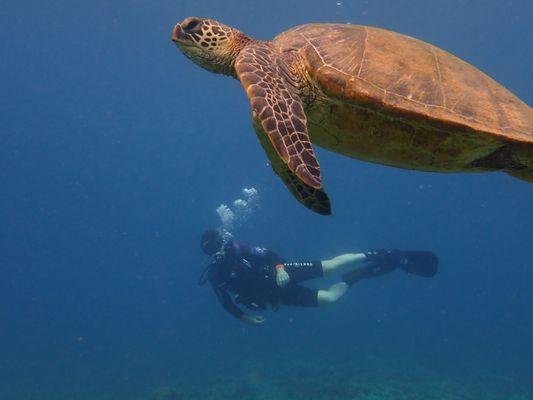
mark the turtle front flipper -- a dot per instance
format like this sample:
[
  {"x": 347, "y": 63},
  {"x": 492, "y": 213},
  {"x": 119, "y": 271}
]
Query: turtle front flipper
[
  {"x": 315, "y": 199},
  {"x": 274, "y": 102}
]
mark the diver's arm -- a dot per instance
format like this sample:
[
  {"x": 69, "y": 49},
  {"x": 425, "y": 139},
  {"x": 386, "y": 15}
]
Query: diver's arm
[
  {"x": 273, "y": 258},
  {"x": 253, "y": 319},
  {"x": 269, "y": 257},
  {"x": 282, "y": 277},
  {"x": 226, "y": 301}
]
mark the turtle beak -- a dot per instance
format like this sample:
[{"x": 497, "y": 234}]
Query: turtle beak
[{"x": 178, "y": 36}]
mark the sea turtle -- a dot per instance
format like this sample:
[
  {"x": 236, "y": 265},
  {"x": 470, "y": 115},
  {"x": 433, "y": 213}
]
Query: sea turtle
[{"x": 367, "y": 93}]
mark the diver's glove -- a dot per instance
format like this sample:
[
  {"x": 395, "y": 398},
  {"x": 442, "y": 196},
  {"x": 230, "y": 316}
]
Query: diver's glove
[
  {"x": 253, "y": 319},
  {"x": 282, "y": 277}
]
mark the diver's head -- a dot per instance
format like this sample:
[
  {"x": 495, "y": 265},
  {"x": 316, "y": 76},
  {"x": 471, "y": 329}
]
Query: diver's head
[{"x": 211, "y": 241}]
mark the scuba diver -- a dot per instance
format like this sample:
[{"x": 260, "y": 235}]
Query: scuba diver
[{"x": 255, "y": 277}]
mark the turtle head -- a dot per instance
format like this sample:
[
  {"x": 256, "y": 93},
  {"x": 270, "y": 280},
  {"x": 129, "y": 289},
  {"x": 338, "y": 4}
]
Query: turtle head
[{"x": 210, "y": 44}]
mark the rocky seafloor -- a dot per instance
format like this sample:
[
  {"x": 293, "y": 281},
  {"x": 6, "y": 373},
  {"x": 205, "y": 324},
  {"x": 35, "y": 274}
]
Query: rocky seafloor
[
  {"x": 281, "y": 378},
  {"x": 344, "y": 382}
]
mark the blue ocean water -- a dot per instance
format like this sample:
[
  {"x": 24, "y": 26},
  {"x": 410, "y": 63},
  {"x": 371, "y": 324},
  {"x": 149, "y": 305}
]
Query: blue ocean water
[{"x": 115, "y": 151}]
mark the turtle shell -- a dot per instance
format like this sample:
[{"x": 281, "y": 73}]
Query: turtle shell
[
  {"x": 387, "y": 98},
  {"x": 406, "y": 76}
]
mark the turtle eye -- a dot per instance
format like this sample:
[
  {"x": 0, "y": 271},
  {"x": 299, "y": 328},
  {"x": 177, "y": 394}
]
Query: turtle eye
[{"x": 191, "y": 25}]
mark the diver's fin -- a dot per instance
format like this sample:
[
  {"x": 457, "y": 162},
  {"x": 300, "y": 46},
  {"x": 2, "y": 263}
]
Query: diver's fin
[
  {"x": 381, "y": 262},
  {"x": 421, "y": 263}
]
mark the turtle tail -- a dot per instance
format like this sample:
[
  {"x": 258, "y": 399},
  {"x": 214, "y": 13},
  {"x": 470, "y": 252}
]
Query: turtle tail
[
  {"x": 515, "y": 159},
  {"x": 522, "y": 162},
  {"x": 523, "y": 174}
]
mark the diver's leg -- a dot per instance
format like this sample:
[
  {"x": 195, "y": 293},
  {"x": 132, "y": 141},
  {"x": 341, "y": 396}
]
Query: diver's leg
[
  {"x": 296, "y": 295},
  {"x": 302, "y": 296},
  {"x": 300, "y": 271},
  {"x": 330, "y": 296},
  {"x": 369, "y": 271},
  {"x": 423, "y": 263},
  {"x": 381, "y": 262},
  {"x": 340, "y": 262}
]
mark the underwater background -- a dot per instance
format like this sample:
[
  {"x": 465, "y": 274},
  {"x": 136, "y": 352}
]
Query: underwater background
[{"x": 115, "y": 151}]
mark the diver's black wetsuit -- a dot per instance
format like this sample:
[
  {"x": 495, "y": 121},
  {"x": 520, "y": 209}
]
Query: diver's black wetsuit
[{"x": 249, "y": 274}]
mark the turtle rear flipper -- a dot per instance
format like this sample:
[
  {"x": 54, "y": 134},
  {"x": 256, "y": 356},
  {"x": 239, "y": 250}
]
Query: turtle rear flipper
[
  {"x": 315, "y": 199},
  {"x": 523, "y": 174},
  {"x": 523, "y": 157},
  {"x": 515, "y": 159}
]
